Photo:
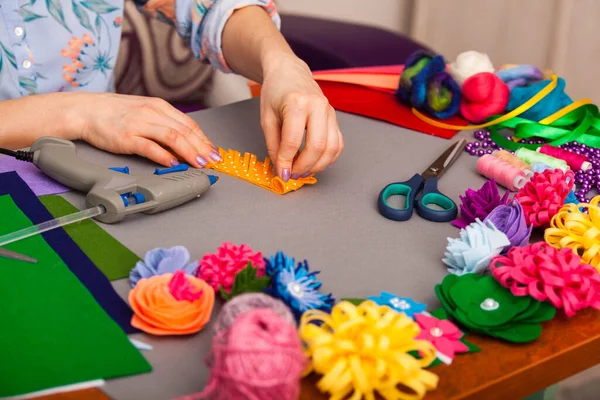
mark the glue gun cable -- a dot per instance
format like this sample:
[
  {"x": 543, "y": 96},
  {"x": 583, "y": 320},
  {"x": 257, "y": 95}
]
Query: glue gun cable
[{"x": 52, "y": 224}]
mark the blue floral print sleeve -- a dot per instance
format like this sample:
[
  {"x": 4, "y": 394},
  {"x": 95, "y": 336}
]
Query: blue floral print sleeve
[{"x": 67, "y": 45}]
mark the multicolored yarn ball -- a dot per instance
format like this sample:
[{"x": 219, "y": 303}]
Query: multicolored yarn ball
[
  {"x": 425, "y": 85},
  {"x": 547, "y": 274},
  {"x": 247, "y": 302},
  {"x": 364, "y": 350},
  {"x": 572, "y": 228},
  {"x": 219, "y": 269},
  {"x": 258, "y": 357},
  {"x": 469, "y": 63},
  {"x": 502, "y": 172},
  {"x": 483, "y": 95},
  {"x": 554, "y": 101},
  {"x": 479, "y": 203},
  {"x": 544, "y": 195},
  {"x": 510, "y": 220},
  {"x": 519, "y": 75}
]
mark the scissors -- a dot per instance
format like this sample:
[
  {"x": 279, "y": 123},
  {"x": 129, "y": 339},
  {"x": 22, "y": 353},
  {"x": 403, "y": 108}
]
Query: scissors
[
  {"x": 16, "y": 256},
  {"x": 427, "y": 184}
]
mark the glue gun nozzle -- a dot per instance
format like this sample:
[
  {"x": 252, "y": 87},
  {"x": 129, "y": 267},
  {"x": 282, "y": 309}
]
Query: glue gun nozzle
[{"x": 212, "y": 179}]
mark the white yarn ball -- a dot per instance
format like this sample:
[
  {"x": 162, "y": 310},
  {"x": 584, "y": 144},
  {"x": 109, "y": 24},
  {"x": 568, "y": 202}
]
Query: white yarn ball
[{"x": 468, "y": 64}]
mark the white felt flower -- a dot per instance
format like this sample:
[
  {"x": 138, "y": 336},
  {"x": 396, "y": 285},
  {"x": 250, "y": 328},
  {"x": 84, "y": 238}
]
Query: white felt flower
[
  {"x": 468, "y": 64},
  {"x": 479, "y": 242}
]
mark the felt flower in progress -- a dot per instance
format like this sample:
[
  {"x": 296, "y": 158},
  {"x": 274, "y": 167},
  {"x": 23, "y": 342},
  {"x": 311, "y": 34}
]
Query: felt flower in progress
[
  {"x": 298, "y": 288},
  {"x": 474, "y": 250},
  {"x": 443, "y": 334},
  {"x": 576, "y": 230},
  {"x": 544, "y": 195},
  {"x": 479, "y": 203},
  {"x": 482, "y": 305},
  {"x": 338, "y": 349},
  {"x": 510, "y": 220},
  {"x": 162, "y": 261},
  {"x": 547, "y": 274},
  {"x": 400, "y": 304},
  {"x": 220, "y": 269},
  {"x": 171, "y": 304},
  {"x": 469, "y": 63}
]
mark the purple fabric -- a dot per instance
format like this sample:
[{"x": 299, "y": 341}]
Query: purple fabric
[
  {"x": 37, "y": 181},
  {"x": 477, "y": 204},
  {"x": 510, "y": 220}
]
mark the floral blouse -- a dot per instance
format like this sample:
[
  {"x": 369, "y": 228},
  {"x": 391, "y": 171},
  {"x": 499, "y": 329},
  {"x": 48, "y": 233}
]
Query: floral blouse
[{"x": 69, "y": 45}]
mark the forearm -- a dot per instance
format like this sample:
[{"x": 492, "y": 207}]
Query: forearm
[
  {"x": 26, "y": 119},
  {"x": 252, "y": 44}
]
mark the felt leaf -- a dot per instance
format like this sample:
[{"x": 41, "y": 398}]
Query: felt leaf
[
  {"x": 354, "y": 301},
  {"x": 9, "y": 56},
  {"x": 471, "y": 346},
  {"x": 82, "y": 16},
  {"x": 246, "y": 281},
  {"x": 519, "y": 333},
  {"x": 28, "y": 15},
  {"x": 99, "y": 6},
  {"x": 440, "y": 313},
  {"x": 544, "y": 312},
  {"x": 56, "y": 11},
  {"x": 435, "y": 362}
]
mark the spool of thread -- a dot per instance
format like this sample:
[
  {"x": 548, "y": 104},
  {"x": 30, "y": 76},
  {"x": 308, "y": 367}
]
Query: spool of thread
[
  {"x": 540, "y": 167},
  {"x": 514, "y": 161},
  {"x": 502, "y": 172},
  {"x": 532, "y": 157},
  {"x": 574, "y": 160}
]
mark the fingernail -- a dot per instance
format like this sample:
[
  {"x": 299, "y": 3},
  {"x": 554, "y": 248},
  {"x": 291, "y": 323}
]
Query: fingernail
[
  {"x": 305, "y": 175},
  {"x": 285, "y": 174},
  {"x": 295, "y": 176},
  {"x": 174, "y": 163},
  {"x": 202, "y": 161},
  {"x": 215, "y": 156}
]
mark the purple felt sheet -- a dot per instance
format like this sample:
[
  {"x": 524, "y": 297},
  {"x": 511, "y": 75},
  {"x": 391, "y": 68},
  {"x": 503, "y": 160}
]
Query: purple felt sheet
[{"x": 40, "y": 183}]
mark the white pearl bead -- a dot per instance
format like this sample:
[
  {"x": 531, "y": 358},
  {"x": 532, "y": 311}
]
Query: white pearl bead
[
  {"x": 399, "y": 304},
  {"x": 436, "y": 332},
  {"x": 489, "y": 304},
  {"x": 295, "y": 289}
]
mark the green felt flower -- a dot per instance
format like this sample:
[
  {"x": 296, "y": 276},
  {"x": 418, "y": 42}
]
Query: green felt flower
[{"x": 482, "y": 305}]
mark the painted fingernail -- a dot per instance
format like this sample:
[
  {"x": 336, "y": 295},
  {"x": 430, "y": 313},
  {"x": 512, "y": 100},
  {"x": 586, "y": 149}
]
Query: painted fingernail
[
  {"x": 215, "y": 156},
  {"x": 305, "y": 175},
  {"x": 174, "y": 163},
  {"x": 202, "y": 161},
  {"x": 285, "y": 174}
]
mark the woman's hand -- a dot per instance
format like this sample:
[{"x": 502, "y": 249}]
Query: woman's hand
[{"x": 292, "y": 103}]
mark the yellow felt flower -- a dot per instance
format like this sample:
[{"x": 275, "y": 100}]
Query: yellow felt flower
[{"x": 363, "y": 350}]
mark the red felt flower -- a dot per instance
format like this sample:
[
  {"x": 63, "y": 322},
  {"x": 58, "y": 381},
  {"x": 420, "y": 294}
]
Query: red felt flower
[
  {"x": 548, "y": 274},
  {"x": 545, "y": 194}
]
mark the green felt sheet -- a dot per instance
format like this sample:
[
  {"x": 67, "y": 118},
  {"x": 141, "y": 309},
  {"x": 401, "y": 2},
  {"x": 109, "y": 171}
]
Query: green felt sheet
[
  {"x": 107, "y": 253},
  {"x": 52, "y": 331}
]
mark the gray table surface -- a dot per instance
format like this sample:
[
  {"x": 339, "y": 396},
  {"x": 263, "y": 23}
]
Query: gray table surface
[{"x": 334, "y": 224}]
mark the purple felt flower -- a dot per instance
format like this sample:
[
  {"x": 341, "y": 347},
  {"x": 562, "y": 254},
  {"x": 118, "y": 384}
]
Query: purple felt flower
[
  {"x": 477, "y": 204},
  {"x": 511, "y": 220},
  {"x": 162, "y": 261}
]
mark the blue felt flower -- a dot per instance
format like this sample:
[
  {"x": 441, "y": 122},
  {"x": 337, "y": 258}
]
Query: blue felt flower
[
  {"x": 571, "y": 198},
  {"x": 162, "y": 261},
  {"x": 400, "y": 304},
  {"x": 296, "y": 286},
  {"x": 278, "y": 262}
]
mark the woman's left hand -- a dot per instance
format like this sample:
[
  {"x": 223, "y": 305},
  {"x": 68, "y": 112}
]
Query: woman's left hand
[{"x": 292, "y": 103}]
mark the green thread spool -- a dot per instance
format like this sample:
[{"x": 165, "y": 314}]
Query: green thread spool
[{"x": 531, "y": 157}]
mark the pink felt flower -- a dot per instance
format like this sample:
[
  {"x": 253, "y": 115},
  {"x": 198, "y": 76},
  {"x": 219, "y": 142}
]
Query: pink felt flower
[
  {"x": 548, "y": 274},
  {"x": 220, "y": 269},
  {"x": 443, "y": 334}
]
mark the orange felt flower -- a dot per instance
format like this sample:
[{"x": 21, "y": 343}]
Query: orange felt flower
[{"x": 171, "y": 304}]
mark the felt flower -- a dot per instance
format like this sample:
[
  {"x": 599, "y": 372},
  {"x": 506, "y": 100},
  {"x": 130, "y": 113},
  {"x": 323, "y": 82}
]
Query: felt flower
[
  {"x": 299, "y": 289},
  {"x": 469, "y": 63},
  {"x": 277, "y": 262},
  {"x": 400, "y": 304},
  {"x": 364, "y": 350},
  {"x": 171, "y": 304},
  {"x": 547, "y": 274},
  {"x": 220, "y": 269},
  {"x": 161, "y": 261},
  {"x": 474, "y": 250},
  {"x": 571, "y": 198},
  {"x": 511, "y": 221},
  {"x": 545, "y": 194},
  {"x": 443, "y": 334},
  {"x": 479, "y": 203},
  {"x": 482, "y": 305}
]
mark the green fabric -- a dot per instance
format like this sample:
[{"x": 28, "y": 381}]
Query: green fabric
[
  {"x": 246, "y": 281},
  {"x": 107, "y": 253},
  {"x": 53, "y": 332}
]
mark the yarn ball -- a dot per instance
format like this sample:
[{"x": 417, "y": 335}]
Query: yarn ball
[
  {"x": 554, "y": 101},
  {"x": 363, "y": 350},
  {"x": 247, "y": 302},
  {"x": 510, "y": 220},
  {"x": 572, "y": 228},
  {"x": 547, "y": 274},
  {"x": 258, "y": 357},
  {"x": 162, "y": 261},
  {"x": 219, "y": 269},
  {"x": 467, "y": 64},
  {"x": 519, "y": 75},
  {"x": 474, "y": 250},
  {"x": 479, "y": 203},
  {"x": 483, "y": 95},
  {"x": 425, "y": 85},
  {"x": 171, "y": 304},
  {"x": 545, "y": 194}
]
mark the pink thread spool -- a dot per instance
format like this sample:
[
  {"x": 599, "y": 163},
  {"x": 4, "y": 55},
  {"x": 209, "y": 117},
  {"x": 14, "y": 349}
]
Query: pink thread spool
[
  {"x": 502, "y": 172},
  {"x": 575, "y": 161},
  {"x": 515, "y": 161}
]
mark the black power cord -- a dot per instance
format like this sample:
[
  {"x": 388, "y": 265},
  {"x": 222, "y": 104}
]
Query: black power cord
[{"x": 26, "y": 156}]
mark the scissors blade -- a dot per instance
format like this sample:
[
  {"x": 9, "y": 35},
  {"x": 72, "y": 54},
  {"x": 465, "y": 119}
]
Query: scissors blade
[
  {"x": 16, "y": 256},
  {"x": 444, "y": 161}
]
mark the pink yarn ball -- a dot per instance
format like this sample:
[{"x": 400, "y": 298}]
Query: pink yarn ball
[
  {"x": 483, "y": 95},
  {"x": 219, "y": 269}
]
